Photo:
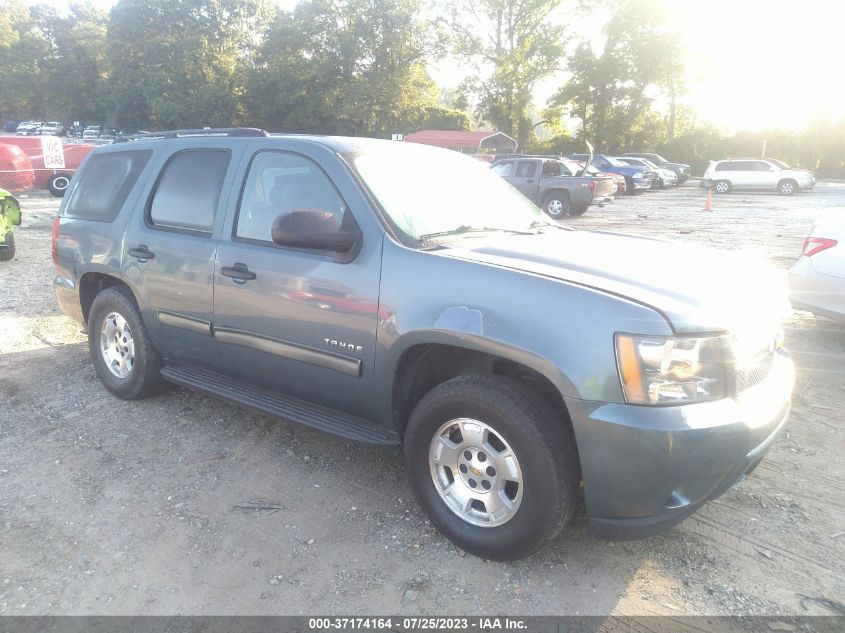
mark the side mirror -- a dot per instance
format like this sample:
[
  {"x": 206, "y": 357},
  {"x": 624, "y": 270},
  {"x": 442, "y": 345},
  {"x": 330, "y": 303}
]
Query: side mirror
[{"x": 313, "y": 229}]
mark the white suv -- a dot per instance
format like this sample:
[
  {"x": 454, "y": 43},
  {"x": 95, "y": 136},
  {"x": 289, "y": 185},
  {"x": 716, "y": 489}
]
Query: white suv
[{"x": 757, "y": 173}]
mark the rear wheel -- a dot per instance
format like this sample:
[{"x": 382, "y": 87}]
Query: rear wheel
[
  {"x": 556, "y": 204},
  {"x": 58, "y": 184},
  {"x": 120, "y": 347},
  {"x": 7, "y": 247},
  {"x": 722, "y": 186},
  {"x": 787, "y": 187},
  {"x": 493, "y": 465}
]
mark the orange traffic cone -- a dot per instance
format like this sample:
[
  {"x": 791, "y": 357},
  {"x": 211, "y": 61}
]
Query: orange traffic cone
[{"x": 708, "y": 201}]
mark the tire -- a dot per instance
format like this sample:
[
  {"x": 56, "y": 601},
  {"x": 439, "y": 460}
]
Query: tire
[
  {"x": 556, "y": 204},
  {"x": 722, "y": 186},
  {"x": 519, "y": 422},
  {"x": 630, "y": 189},
  {"x": 142, "y": 377},
  {"x": 9, "y": 252},
  {"x": 787, "y": 187},
  {"x": 58, "y": 184}
]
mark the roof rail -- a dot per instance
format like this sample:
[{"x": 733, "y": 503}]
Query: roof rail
[{"x": 220, "y": 131}]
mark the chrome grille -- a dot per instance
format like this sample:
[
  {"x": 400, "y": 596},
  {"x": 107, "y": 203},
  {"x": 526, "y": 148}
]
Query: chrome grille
[{"x": 756, "y": 373}]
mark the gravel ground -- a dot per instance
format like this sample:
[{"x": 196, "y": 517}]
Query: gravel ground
[{"x": 112, "y": 507}]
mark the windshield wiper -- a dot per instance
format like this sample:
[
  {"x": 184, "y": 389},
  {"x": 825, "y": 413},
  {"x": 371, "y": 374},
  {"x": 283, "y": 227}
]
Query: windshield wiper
[{"x": 465, "y": 228}]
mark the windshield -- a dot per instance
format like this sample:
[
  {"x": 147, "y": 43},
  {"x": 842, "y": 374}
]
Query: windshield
[
  {"x": 615, "y": 162},
  {"x": 426, "y": 191},
  {"x": 658, "y": 159}
]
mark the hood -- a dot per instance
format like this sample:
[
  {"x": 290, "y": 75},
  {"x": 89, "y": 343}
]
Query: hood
[{"x": 697, "y": 289}]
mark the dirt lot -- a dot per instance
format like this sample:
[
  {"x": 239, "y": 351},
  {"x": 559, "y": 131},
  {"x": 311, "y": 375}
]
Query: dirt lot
[{"x": 111, "y": 507}]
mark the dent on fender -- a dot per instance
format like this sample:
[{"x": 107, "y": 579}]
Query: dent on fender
[{"x": 461, "y": 319}]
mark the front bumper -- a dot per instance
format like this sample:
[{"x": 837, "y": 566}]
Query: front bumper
[{"x": 645, "y": 468}]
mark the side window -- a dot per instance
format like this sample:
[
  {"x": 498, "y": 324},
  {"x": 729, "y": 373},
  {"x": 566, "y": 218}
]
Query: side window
[
  {"x": 726, "y": 165},
  {"x": 188, "y": 190},
  {"x": 526, "y": 169},
  {"x": 279, "y": 183},
  {"x": 761, "y": 166},
  {"x": 551, "y": 168},
  {"x": 104, "y": 185},
  {"x": 502, "y": 168}
]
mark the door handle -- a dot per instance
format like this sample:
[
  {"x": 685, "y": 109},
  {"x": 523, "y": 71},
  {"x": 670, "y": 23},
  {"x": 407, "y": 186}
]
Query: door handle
[
  {"x": 142, "y": 252},
  {"x": 240, "y": 273}
]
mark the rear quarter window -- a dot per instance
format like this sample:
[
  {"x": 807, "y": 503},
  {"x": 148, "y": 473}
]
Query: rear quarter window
[{"x": 104, "y": 184}]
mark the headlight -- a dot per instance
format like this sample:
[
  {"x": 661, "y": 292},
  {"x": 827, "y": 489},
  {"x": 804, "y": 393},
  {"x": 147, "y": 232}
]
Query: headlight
[
  {"x": 659, "y": 370},
  {"x": 638, "y": 175}
]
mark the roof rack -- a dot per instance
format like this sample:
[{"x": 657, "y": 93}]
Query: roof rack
[{"x": 220, "y": 131}]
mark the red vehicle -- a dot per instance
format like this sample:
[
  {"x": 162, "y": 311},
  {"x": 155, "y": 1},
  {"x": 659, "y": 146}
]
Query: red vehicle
[
  {"x": 620, "y": 179},
  {"x": 56, "y": 180},
  {"x": 16, "y": 173}
]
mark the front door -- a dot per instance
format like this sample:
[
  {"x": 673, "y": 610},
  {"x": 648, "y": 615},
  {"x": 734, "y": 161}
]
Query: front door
[
  {"x": 526, "y": 179},
  {"x": 301, "y": 322}
]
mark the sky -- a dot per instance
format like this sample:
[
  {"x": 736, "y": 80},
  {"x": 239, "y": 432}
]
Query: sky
[{"x": 751, "y": 64}]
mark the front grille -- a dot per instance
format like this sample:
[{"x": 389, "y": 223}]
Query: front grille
[{"x": 756, "y": 373}]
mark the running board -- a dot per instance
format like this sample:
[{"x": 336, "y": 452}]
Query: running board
[{"x": 272, "y": 403}]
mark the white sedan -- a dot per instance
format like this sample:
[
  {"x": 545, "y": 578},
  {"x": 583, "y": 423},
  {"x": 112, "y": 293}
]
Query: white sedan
[{"x": 817, "y": 279}]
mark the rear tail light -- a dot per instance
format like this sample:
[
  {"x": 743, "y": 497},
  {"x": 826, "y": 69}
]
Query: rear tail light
[
  {"x": 813, "y": 245},
  {"x": 56, "y": 243}
]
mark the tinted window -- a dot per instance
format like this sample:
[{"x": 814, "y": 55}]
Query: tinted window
[
  {"x": 729, "y": 165},
  {"x": 189, "y": 189},
  {"x": 278, "y": 184},
  {"x": 104, "y": 184},
  {"x": 526, "y": 169},
  {"x": 503, "y": 168},
  {"x": 760, "y": 166},
  {"x": 551, "y": 168}
]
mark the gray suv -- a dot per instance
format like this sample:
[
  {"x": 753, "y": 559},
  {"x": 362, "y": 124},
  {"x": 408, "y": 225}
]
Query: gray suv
[{"x": 400, "y": 294}]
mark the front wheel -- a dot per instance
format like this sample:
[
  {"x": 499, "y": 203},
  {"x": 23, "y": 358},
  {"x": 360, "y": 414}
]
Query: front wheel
[
  {"x": 58, "y": 184},
  {"x": 722, "y": 186},
  {"x": 7, "y": 247},
  {"x": 557, "y": 205},
  {"x": 493, "y": 465},
  {"x": 787, "y": 187}
]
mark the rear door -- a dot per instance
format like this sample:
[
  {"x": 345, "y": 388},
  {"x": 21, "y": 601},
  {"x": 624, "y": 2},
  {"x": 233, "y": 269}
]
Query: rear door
[
  {"x": 298, "y": 321},
  {"x": 170, "y": 246}
]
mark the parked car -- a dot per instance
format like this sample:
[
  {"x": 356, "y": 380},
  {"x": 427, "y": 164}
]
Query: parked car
[
  {"x": 592, "y": 171},
  {"x": 52, "y": 128},
  {"x": 550, "y": 183},
  {"x": 11, "y": 126},
  {"x": 664, "y": 177},
  {"x": 682, "y": 170},
  {"x": 817, "y": 279},
  {"x": 762, "y": 174},
  {"x": 517, "y": 362},
  {"x": 91, "y": 132},
  {"x": 636, "y": 178},
  {"x": 28, "y": 128},
  {"x": 10, "y": 215}
]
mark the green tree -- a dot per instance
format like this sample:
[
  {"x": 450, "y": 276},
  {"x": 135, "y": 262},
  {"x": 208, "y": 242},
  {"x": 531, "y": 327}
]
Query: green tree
[
  {"x": 180, "y": 63},
  {"x": 608, "y": 88},
  {"x": 345, "y": 67},
  {"x": 78, "y": 67},
  {"x": 512, "y": 46},
  {"x": 25, "y": 53}
]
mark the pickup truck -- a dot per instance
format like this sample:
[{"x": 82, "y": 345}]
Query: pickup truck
[
  {"x": 557, "y": 186},
  {"x": 403, "y": 295}
]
